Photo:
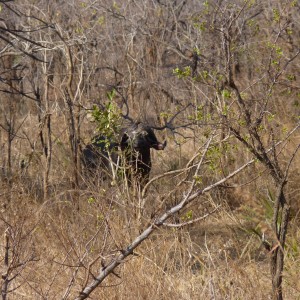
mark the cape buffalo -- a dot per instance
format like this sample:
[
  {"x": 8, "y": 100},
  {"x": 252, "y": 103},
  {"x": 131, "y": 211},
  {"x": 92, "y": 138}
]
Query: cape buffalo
[{"x": 134, "y": 146}]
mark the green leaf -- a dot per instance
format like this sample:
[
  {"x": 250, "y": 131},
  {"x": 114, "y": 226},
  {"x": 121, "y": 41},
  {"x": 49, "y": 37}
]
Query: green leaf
[
  {"x": 182, "y": 73},
  {"x": 276, "y": 15},
  {"x": 226, "y": 94},
  {"x": 111, "y": 94}
]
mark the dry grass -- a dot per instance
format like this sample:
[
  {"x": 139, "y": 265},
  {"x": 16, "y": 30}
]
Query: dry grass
[{"x": 54, "y": 246}]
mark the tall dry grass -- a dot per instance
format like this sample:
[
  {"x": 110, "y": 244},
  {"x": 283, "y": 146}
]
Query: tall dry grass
[{"x": 56, "y": 248}]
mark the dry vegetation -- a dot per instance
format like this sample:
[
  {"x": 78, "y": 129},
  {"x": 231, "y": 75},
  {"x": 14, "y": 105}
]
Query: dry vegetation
[{"x": 219, "y": 80}]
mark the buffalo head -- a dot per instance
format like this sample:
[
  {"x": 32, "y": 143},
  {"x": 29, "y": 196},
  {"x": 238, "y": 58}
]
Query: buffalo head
[{"x": 136, "y": 143}]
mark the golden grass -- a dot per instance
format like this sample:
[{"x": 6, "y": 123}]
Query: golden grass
[{"x": 217, "y": 258}]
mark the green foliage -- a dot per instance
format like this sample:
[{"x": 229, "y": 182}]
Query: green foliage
[
  {"x": 242, "y": 122},
  {"x": 116, "y": 6},
  {"x": 187, "y": 216},
  {"x": 186, "y": 72},
  {"x": 197, "y": 50},
  {"x": 294, "y": 3},
  {"x": 254, "y": 26},
  {"x": 205, "y": 74},
  {"x": 270, "y": 117},
  {"x": 100, "y": 217},
  {"x": 201, "y": 25},
  {"x": 291, "y": 77},
  {"x": 279, "y": 51},
  {"x": 206, "y": 5},
  {"x": 214, "y": 154},
  {"x": 101, "y": 20},
  {"x": 108, "y": 119},
  {"x": 198, "y": 179},
  {"x": 225, "y": 110},
  {"x": 226, "y": 94},
  {"x": 91, "y": 200},
  {"x": 110, "y": 95},
  {"x": 165, "y": 115},
  {"x": 276, "y": 15},
  {"x": 199, "y": 113},
  {"x": 278, "y": 54}
]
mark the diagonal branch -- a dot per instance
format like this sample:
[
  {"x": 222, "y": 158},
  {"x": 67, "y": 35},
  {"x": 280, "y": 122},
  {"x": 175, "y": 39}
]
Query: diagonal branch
[{"x": 106, "y": 270}]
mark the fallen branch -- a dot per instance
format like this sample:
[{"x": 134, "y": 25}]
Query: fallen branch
[{"x": 106, "y": 270}]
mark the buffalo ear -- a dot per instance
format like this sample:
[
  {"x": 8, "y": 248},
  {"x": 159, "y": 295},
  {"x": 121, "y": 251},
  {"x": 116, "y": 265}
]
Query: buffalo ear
[{"x": 124, "y": 142}]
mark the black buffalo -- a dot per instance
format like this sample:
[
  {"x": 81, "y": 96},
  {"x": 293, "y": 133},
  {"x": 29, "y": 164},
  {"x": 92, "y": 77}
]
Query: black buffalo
[{"x": 134, "y": 147}]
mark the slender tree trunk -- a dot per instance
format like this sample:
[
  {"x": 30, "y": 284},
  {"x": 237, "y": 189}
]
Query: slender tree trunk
[
  {"x": 5, "y": 274},
  {"x": 48, "y": 153},
  {"x": 69, "y": 101},
  {"x": 280, "y": 226}
]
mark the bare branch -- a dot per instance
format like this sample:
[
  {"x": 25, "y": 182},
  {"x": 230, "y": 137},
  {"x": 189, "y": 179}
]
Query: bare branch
[{"x": 192, "y": 221}]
